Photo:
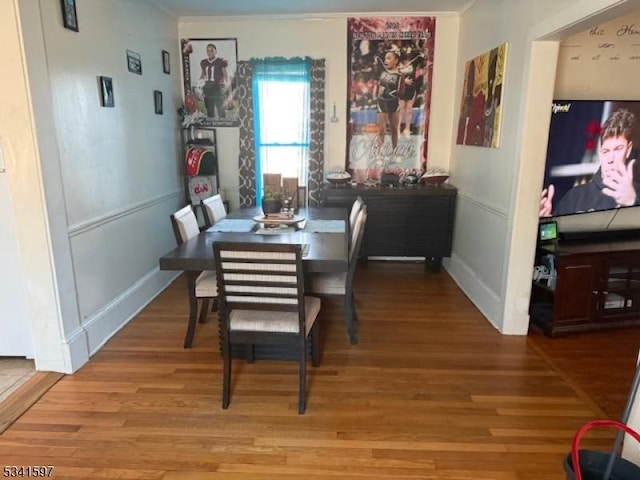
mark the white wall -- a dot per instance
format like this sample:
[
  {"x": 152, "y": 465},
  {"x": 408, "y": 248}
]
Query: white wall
[
  {"x": 602, "y": 62},
  {"x": 499, "y": 188},
  {"x": 110, "y": 176},
  {"x": 325, "y": 38}
]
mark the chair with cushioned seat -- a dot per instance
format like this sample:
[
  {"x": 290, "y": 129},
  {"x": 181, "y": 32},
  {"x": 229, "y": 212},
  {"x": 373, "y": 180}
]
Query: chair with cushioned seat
[
  {"x": 341, "y": 284},
  {"x": 201, "y": 285},
  {"x": 262, "y": 301}
]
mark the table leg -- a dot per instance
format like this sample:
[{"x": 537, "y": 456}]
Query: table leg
[
  {"x": 433, "y": 263},
  {"x": 349, "y": 317},
  {"x": 193, "y": 308}
]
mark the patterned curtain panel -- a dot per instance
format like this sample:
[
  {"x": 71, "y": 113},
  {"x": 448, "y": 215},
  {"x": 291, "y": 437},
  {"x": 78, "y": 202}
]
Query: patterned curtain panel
[
  {"x": 316, "y": 127},
  {"x": 247, "y": 157}
]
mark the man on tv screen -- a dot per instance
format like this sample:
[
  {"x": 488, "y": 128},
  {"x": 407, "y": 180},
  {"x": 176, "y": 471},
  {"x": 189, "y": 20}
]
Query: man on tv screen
[{"x": 612, "y": 185}]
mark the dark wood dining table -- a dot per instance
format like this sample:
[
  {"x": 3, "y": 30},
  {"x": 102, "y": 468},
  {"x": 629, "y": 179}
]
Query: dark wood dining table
[{"x": 326, "y": 251}]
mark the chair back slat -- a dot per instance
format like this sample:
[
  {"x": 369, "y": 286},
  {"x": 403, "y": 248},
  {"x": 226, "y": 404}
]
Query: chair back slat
[{"x": 259, "y": 276}]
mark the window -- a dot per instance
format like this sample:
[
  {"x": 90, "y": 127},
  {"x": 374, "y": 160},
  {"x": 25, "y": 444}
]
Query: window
[{"x": 281, "y": 96}]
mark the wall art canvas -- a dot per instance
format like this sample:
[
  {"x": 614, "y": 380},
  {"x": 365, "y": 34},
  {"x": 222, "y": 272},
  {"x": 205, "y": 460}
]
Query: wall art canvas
[
  {"x": 481, "y": 99},
  {"x": 209, "y": 69},
  {"x": 389, "y": 91}
]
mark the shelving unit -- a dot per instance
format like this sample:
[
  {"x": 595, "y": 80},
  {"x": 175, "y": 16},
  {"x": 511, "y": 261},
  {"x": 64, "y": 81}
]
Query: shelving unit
[{"x": 201, "y": 172}]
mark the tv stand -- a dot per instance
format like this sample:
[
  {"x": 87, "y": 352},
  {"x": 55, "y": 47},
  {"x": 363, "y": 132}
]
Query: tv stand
[
  {"x": 597, "y": 287},
  {"x": 599, "y": 236}
]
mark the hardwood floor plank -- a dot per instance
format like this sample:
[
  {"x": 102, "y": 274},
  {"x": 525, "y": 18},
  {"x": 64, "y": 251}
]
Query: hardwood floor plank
[
  {"x": 432, "y": 391},
  {"x": 20, "y": 400}
]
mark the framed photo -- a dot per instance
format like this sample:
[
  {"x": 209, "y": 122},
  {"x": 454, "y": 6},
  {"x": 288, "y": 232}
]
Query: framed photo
[
  {"x": 106, "y": 92},
  {"x": 166, "y": 63},
  {"x": 157, "y": 101},
  {"x": 69, "y": 14},
  {"x": 209, "y": 68},
  {"x": 134, "y": 62}
]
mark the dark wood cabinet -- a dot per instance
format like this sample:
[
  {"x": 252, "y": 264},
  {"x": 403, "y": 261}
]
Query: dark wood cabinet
[
  {"x": 414, "y": 221},
  {"x": 597, "y": 286}
]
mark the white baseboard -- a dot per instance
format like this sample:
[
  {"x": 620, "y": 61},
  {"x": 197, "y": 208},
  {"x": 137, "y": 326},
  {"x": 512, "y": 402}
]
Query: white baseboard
[
  {"x": 485, "y": 300},
  {"x": 398, "y": 259},
  {"x": 108, "y": 321}
]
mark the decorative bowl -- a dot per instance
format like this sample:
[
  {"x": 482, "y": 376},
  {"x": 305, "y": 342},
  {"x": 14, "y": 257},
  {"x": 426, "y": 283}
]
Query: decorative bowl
[{"x": 338, "y": 178}]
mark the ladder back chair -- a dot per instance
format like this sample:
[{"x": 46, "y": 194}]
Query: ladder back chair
[
  {"x": 201, "y": 285},
  {"x": 261, "y": 300},
  {"x": 341, "y": 284}
]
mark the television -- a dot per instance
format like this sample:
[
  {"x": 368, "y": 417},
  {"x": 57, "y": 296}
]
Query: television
[{"x": 592, "y": 186}]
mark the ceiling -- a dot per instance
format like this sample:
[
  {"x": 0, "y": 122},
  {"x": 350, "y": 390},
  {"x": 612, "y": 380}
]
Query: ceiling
[{"x": 196, "y": 8}]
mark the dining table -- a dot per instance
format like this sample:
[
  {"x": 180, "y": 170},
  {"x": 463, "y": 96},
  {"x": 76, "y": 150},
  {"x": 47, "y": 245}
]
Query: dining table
[
  {"x": 319, "y": 228},
  {"x": 323, "y": 233}
]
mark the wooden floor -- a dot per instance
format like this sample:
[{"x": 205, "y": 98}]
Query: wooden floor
[{"x": 432, "y": 391}]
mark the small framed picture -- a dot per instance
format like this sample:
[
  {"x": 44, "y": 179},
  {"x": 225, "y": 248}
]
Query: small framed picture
[
  {"x": 106, "y": 92},
  {"x": 134, "y": 62},
  {"x": 157, "y": 101},
  {"x": 69, "y": 14},
  {"x": 166, "y": 63}
]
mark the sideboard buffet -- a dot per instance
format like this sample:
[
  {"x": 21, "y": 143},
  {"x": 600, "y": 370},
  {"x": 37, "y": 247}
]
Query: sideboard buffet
[{"x": 405, "y": 221}]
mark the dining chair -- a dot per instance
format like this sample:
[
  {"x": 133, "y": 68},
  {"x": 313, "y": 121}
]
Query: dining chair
[
  {"x": 302, "y": 196},
  {"x": 341, "y": 284},
  {"x": 213, "y": 209},
  {"x": 353, "y": 214},
  {"x": 262, "y": 300},
  {"x": 272, "y": 181},
  {"x": 201, "y": 285}
]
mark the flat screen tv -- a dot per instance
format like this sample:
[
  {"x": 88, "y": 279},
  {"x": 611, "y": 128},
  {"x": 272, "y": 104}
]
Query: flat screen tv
[{"x": 591, "y": 178}]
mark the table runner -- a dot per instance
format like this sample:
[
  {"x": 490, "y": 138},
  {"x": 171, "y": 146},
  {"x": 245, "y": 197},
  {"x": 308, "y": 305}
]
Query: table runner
[
  {"x": 233, "y": 225},
  {"x": 324, "y": 226}
]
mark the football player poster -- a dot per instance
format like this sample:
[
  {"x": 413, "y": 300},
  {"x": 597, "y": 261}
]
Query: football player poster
[{"x": 209, "y": 74}]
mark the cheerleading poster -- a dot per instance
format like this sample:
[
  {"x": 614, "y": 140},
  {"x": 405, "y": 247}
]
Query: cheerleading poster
[{"x": 389, "y": 91}]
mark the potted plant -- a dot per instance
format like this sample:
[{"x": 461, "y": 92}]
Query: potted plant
[{"x": 271, "y": 201}]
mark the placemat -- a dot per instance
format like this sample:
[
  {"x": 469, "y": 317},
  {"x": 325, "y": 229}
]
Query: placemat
[
  {"x": 234, "y": 225},
  {"x": 275, "y": 231},
  {"x": 324, "y": 226}
]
